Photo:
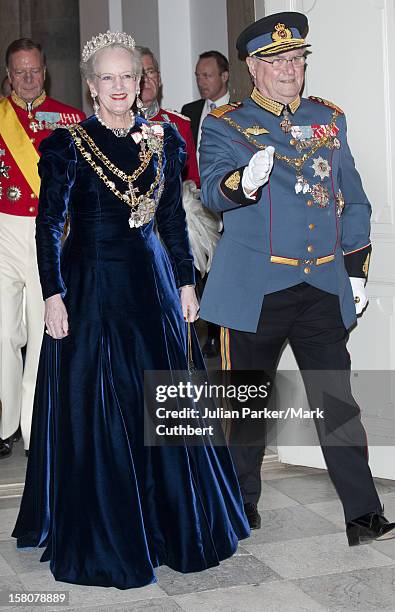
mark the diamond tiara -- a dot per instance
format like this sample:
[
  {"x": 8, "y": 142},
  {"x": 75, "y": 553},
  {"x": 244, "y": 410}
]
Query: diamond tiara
[{"x": 105, "y": 40}]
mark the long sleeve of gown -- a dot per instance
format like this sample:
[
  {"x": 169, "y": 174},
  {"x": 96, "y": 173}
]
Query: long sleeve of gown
[
  {"x": 57, "y": 170},
  {"x": 170, "y": 214}
]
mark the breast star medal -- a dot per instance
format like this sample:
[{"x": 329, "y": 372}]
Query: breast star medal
[
  {"x": 14, "y": 193},
  {"x": 321, "y": 167}
]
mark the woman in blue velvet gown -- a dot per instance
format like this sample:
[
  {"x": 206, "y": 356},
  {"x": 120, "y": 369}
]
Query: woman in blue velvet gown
[{"x": 106, "y": 508}]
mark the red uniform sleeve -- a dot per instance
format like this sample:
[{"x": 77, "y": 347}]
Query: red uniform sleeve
[{"x": 191, "y": 171}]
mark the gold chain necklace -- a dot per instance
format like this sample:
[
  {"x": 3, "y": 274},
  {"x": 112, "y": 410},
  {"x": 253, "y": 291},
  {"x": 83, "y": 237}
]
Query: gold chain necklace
[
  {"x": 297, "y": 162},
  {"x": 114, "y": 169},
  {"x": 143, "y": 206}
]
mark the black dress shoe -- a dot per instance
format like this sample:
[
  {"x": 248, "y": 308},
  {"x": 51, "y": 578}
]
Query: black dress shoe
[
  {"x": 369, "y": 527},
  {"x": 253, "y": 516},
  {"x": 6, "y": 447},
  {"x": 26, "y": 453},
  {"x": 210, "y": 348}
]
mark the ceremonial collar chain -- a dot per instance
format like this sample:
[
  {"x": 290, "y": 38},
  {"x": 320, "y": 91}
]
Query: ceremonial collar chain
[
  {"x": 119, "y": 132},
  {"x": 272, "y": 106},
  {"x": 143, "y": 206},
  {"x": 28, "y": 106},
  {"x": 298, "y": 162}
]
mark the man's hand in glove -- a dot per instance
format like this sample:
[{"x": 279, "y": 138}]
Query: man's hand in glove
[
  {"x": 258, "y": 170},
  {"x": 359, "y": 293}
]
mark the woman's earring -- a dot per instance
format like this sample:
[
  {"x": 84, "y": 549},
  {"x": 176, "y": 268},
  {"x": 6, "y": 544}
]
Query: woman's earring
[
  {"x": 139, "y": 102},
  {"x": 96, "y": 106}
]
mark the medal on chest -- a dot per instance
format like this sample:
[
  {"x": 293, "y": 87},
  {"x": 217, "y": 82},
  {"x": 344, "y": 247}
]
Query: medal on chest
[
  {"x": 44, "y": 120},
  {"x": 4, "y": 170},
  {"x": 320, "y": 193},
  {"x": 285, "y": 123},
  {"x": 311, "y": 138}
]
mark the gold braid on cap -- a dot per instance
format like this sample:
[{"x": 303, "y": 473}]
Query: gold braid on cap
[{"x": 105, "y": 40}]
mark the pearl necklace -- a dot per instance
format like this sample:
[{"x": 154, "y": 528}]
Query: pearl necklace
[{"x": 118, "y": 132}]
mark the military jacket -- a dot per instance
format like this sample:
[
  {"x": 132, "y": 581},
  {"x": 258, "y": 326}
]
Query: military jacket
[
  {"x": 46, "y": 114},
  {"x": 309, "y": 223}
]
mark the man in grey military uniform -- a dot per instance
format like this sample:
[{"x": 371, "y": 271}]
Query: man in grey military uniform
[{"x": 293, "y": 260}]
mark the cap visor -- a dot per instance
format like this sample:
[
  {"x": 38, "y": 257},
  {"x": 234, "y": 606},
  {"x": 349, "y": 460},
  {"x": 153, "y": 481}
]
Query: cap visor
[{"x": 283, "y": 48}]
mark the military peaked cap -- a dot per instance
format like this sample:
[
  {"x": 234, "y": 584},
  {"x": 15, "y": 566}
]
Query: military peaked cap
[{"x": 274, "y": 34}]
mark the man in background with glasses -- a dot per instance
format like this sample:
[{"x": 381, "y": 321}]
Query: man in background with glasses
[
  {"x": 293, "y": 260},
  {"x": 27, "y": 116},
  {"x": 150, "y": 87}
]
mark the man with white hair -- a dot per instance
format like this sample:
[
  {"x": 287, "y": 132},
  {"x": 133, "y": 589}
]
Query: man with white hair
[{"x": 293, "y": 260}]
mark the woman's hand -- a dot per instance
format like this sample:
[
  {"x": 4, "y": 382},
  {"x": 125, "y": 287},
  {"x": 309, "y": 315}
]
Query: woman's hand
[
  {"x": 189, "y": 303},
  {"x": 56, "y": 320}
]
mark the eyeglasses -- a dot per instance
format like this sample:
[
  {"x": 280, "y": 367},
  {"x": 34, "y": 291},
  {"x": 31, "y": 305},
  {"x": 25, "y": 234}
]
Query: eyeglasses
[
  {"x": 281, "y": 62},
  {"x": 150, "y": 73},
  {"x": 111, "y": 78}
]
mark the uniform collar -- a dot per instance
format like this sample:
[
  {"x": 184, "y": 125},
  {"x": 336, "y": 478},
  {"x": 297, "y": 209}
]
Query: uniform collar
[
  {"x": 151, "y": 111},
  {"x": 28, "y": 106},
  {"x": 276, "y": 108}
]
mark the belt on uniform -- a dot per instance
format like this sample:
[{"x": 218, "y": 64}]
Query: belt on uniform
[{"x": 289, "y": 261}]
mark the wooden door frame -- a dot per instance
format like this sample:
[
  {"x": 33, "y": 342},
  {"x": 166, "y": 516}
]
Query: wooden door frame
[{"x": 240, "y": 14}]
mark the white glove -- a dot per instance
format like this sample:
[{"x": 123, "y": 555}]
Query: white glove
[
  {"x": 359, "y": 293},
  {"x": 258, "y": 170}
]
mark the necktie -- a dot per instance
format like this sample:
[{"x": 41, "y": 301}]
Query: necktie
[{"x": 212, "y": 106}]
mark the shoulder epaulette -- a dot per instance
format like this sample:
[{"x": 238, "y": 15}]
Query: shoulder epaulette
[
  {"x": 225, "y": 108},
  {"x": 173, "y": 112},
  {"x": 326, "y": 103}
]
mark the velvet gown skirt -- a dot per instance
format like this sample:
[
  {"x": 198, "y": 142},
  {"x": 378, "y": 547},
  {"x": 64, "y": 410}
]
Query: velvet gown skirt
[{"x": 106, "y": 508}]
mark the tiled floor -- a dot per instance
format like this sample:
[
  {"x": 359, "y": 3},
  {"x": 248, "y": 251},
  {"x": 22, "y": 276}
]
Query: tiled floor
[{"x": 298, "y": 561}]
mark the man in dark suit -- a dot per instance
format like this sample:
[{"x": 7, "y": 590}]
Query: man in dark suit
[{"x": 212, "y": 76}]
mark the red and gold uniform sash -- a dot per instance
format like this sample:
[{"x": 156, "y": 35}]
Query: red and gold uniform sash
[{"x": 22, "y": 128}]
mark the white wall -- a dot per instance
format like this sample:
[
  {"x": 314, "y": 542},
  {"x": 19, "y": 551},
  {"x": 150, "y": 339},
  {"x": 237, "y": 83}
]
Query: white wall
[
  {"x": 209, "y": 30},
  {"x": 175, "y": 54},
  {"x": 260, "y": 9},
  {"x": 186, "y": 29}
]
